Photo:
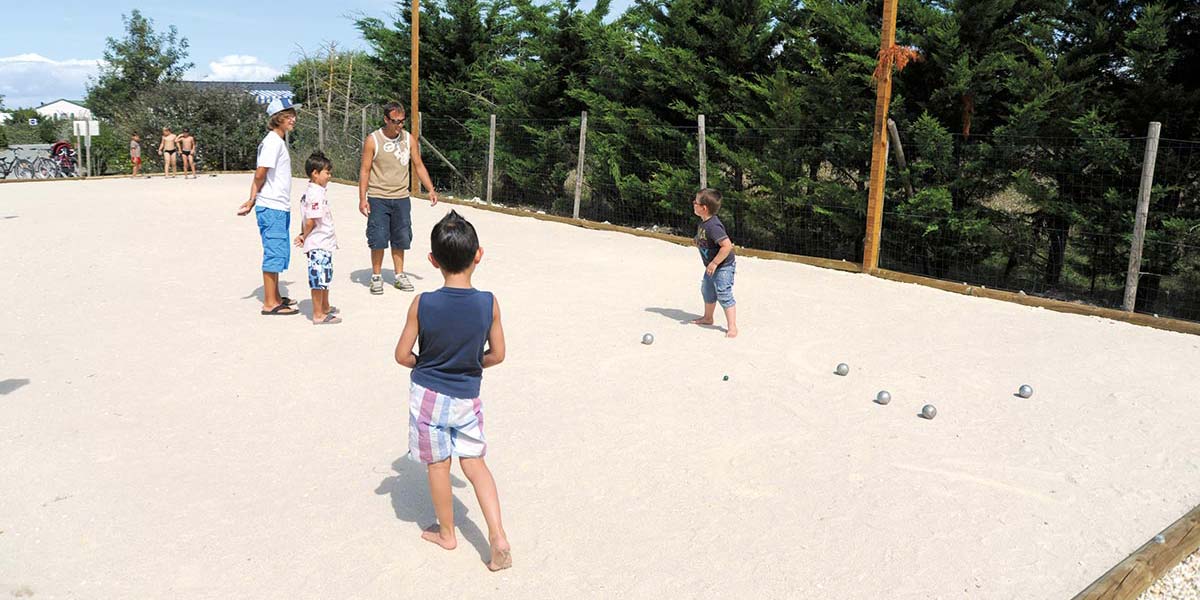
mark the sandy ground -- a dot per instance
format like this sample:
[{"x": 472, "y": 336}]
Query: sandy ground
[{"x": 160, "y": 439}]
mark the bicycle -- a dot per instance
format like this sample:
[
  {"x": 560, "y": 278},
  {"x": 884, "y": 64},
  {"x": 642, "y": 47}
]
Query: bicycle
[{"x": 22, "y": 167}]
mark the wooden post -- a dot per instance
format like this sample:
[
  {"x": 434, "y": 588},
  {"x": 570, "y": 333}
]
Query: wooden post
[
  {"x": 414, "y": 106},
  {"x": 579, "y": 165},
  {"x": 898, "y": 150},
  {"x": 320, "y": 130},
  {"x": 1143, "y": 212},
  {"x": 702, "y": 142},
  {"x": 491, "y": 156},
  {"x": 349, "y": 90},
  {"x": 883, "y": 97},
  {"x": 363, "y": 126}
]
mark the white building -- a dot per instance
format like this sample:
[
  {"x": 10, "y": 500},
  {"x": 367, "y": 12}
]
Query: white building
[{"x": 64, "y": 109}]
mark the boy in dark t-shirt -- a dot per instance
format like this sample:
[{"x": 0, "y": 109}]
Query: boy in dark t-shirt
[{"x": 716, "y": 251}]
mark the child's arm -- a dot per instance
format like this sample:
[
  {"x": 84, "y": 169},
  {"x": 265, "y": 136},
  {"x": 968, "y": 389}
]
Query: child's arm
[
  {"x": 408, "y": 338},
  {"x": 495, "y": 351},
  {"x": 305, "y": 229},
  {"x": 722, "y": 254}
]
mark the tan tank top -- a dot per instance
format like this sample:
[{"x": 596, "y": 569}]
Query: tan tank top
[{"x": 389, "y": 166}]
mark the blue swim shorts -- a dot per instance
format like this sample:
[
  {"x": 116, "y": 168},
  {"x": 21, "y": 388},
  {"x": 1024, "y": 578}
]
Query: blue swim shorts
[
  {"x": 273, "y": 226},
  {"x": 390, "y": 220}
]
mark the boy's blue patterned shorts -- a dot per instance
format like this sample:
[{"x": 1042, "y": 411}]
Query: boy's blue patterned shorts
[{"x": 320, "y": 269}]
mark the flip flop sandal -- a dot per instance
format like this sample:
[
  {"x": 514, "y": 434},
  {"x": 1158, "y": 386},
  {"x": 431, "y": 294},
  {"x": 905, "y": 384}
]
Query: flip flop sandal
[
  {"x": 329, "y": 320},
  {"x": 282, "y": 309},
  {"x": 288, "y": 301}
]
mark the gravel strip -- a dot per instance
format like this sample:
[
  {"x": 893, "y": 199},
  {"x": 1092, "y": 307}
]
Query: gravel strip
[{"x": 1180, "y": 583}]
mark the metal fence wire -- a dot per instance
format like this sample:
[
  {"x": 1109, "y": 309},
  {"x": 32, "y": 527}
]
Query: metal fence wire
[{"x": 1051, "y": 217}]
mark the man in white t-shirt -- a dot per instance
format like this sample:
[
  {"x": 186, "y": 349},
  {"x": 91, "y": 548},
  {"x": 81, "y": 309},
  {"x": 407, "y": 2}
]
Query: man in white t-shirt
[{"x": 271, "y": 199}]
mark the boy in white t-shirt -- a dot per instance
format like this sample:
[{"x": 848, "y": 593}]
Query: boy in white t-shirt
[
  {"x": 271, "y": 199},
  {"x": 317, "y": 237}
]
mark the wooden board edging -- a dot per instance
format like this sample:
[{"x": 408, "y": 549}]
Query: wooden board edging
[
  {"x": 1166, "y": 324},
  {"x": 1149, "y": 563}
]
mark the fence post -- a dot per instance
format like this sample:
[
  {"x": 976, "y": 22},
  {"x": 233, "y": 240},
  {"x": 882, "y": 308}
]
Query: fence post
[
  {"x": 1143, "y": 211},
  {"x": 579, "y": 165},
  {"x": 883, "y": 96},
  {"x": 320, "y": 130},
  {"x": 703, "y": 144},
  {"x": 362, "y": 129},
  {"x": 491, "y": 156}
]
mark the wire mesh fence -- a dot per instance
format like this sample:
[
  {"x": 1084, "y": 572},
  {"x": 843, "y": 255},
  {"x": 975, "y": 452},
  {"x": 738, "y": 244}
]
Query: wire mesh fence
[{"x": 1051, "y": 217}]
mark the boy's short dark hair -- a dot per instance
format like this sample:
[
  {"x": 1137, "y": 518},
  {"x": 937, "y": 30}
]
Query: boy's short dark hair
[
  {"x": 317, "y": 161},
  {"x": 454, "y": 243},
  {"x": 710, "y": 198},
  {"x": 390, "y": 106}
]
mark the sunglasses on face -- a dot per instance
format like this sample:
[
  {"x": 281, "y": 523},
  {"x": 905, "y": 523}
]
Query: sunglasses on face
[{"x": 399, "y": 121}]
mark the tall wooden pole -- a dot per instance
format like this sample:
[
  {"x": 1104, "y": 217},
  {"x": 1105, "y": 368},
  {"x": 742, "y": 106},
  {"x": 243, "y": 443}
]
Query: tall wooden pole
[
  {"x": 1140, "y": 217},
  {"x": 414, "y": 113},
  {"x": 883, "y": 97}
]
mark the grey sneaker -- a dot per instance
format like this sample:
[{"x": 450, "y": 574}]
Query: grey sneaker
[
  {"x": 403, "y": 284},
  {"x": 376, "y": 285}
]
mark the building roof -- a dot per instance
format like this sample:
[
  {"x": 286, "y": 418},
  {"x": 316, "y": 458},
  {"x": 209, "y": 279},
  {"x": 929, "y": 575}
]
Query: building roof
[
  {"x": 264, "y": 91},
  {"x": 78, "y": 103}
]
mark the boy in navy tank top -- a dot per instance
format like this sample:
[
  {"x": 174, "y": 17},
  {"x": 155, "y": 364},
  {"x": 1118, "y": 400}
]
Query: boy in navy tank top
[{"x": 452, "y": 327}]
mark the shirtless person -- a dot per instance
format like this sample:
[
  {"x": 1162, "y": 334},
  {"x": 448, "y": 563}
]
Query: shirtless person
[
  {"x": 166, "y": 149},
  {"x": 187, "y": 147}
]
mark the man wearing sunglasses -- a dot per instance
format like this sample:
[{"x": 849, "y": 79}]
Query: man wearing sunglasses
[{"x": 383, "y": 193}]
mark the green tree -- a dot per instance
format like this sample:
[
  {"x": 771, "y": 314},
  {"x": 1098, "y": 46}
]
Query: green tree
[{"x": 136, "y": 63}]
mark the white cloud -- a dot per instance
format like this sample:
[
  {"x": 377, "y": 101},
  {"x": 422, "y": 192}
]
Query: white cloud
[
  {"x": 240, "y": 67},
  {"x": 30, "y": 80}
]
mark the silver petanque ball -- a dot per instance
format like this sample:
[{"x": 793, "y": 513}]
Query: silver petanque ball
[
  {"x": 648, "y": 339},
  {"x": 883, "y": 397},
  {"x": 1025, "y": 391},
  {"x": 1159, "y": 539},
  {"x": 843, "y": 369},
  {"x": 928, "y": 411}
]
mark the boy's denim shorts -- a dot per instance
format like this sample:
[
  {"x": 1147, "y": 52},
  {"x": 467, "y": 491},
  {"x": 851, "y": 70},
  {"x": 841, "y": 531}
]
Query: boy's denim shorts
[
  {"x": 320, "y": 269},
  {"x": 390, "y": 220},
  {"x": 718, "y": 287},
  {"x": 273, "y": 226}
]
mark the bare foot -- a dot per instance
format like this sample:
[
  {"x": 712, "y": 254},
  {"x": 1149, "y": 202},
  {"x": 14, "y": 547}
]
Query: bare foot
[
  {"x": 731, "y": 332},
  {"x": 702, "y": 321},
  {"x": 501, "y": 556},
  {"x": 434, "y": 534}
]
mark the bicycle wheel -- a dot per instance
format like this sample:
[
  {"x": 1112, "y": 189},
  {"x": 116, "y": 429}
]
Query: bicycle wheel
[
  {"x": 44, "y": 168},
  {"x": 23, "y": 169}
]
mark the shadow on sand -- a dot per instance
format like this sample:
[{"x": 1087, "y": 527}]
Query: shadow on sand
[
  {"x": 363, "y": 277},
  {"x": 681, "y": 316},
  {"x": 409, "y": 490},
  {"x": 9, "y": 386}
]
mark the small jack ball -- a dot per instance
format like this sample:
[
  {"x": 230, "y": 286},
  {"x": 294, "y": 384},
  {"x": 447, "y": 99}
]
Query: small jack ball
[
  {"x": 928, "y": 411},
  {"x": 725, "y": 378},
  {"x": 648, "y": 339},
  {"x": 1025, "y": 391},
  {"x": 843, "y": 369},
  {"x": 883, "y": 397}
]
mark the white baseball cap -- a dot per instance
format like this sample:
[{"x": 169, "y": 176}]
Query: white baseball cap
[{"x": 280, "y": 104}]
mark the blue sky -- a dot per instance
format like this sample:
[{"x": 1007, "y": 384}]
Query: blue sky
[{"x": 44, "y": 59}]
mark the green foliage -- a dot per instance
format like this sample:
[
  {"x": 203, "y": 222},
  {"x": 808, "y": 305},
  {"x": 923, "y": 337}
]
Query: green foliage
[
  {"x": 136, "y": 63},
  {"x": 227, "y": 124}
]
